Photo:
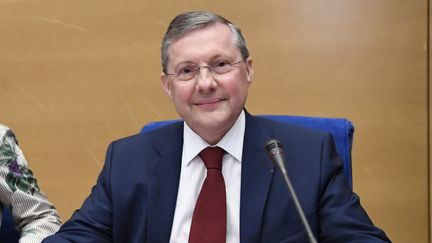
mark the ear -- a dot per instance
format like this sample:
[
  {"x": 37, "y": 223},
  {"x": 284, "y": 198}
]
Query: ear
[
  {"x": 249, "y": 69},
  {"x": 166, "y": 84}
]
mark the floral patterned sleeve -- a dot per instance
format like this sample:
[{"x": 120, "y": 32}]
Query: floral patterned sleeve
[{"x": 34, "y": 215}]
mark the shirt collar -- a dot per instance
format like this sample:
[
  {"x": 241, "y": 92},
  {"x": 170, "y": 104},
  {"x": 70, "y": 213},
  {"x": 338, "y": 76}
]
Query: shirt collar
[{"x": 231, "y": 142}]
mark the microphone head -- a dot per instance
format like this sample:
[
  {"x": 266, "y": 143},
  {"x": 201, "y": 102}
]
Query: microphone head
[
  {"x": 274, "y": 146},
  {"x": 275, "y": 152}
]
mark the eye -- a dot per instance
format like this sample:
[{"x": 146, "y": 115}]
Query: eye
[
  {"x": 185, "y": 70},
  {"x": 221, "y": 64},
  {"x": 221, "y": 67}
]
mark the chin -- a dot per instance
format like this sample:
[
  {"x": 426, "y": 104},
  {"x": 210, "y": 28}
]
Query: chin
[{"x": 216, "y": 122}]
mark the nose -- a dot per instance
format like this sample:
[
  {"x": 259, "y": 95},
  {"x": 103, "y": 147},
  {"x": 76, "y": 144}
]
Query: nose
[{"x": 205, "y": 80}]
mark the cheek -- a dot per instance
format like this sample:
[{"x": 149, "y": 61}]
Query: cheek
[
  {"x": 181, "y": 94},
  {"x": 237, "y": 88}
]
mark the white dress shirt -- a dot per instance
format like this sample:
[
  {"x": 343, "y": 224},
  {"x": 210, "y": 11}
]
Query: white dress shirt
[{"x": 192, "y": 175}]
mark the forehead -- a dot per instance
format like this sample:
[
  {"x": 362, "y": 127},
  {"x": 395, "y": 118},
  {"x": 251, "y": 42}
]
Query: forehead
[{"x": 207, "y": 42}]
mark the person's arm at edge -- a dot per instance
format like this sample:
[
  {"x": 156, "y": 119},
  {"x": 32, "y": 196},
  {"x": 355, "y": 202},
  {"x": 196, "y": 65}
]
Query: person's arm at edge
[{"x": 33, "y": 214}]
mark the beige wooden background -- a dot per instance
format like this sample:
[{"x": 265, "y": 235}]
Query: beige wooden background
[{"x": 77, "y": 74}]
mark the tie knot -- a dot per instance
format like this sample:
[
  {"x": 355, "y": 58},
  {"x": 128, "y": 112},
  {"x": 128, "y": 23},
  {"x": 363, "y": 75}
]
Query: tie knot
[{"x": 212, "y": 157}]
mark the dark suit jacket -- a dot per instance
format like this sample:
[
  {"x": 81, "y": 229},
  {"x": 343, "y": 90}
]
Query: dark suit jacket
[{"x": 135, "y": 195}]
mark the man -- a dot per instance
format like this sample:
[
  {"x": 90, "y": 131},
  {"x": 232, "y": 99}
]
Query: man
[
  {"x": 33, "y": 214},
  {"x": 152, "y": 185}
]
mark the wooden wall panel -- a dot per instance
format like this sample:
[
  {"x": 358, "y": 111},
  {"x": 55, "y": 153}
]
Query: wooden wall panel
[
  {"x": 75, "y": 75},
  {"x": 429, "y": 91}
]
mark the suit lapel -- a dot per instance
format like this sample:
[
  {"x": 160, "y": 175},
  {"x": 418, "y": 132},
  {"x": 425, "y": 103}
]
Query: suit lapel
[
  {"x": 164, "y": 177},
  {"x": 257, "y": 173}
]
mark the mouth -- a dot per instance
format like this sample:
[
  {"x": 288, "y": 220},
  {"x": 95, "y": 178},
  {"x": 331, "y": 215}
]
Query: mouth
[{"x": 209, "y": 103}]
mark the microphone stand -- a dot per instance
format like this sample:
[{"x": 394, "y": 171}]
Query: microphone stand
[{"x": 274, "y": 148}]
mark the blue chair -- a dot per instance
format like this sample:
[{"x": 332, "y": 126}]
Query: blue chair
[
  {"x": 341, "y": 129},
  {"x": 8, "y": 232}
]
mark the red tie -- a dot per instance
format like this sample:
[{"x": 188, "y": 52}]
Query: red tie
[{"x": 209, "y": 217}]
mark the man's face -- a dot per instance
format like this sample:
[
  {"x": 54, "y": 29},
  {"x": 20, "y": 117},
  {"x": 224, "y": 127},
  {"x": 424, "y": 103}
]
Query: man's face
[{"x": 210, "y": 104}]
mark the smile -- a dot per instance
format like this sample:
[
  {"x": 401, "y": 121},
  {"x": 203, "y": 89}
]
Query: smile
[{"x": 210, "y": 103}]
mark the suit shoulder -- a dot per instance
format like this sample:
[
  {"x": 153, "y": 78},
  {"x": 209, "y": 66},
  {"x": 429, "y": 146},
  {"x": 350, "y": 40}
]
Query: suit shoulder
[
  {"x": 287, "y": 129},
  {"x": 151, "y": 137}
]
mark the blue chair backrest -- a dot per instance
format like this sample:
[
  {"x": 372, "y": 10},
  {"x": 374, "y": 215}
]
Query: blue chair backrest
[
  {"x": 341, "y": 129},
  {"x": 8, "y": 232}
]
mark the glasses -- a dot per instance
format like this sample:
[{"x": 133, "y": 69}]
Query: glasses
[{"x": 189, "y": 71}]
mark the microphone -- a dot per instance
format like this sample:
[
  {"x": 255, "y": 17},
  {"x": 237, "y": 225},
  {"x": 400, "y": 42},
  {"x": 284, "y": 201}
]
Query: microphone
[{"x": 275, "y": 151}]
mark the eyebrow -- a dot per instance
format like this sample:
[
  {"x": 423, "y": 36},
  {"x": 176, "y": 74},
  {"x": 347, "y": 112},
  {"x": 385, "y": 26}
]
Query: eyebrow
[{"x": 212, "y": 59}]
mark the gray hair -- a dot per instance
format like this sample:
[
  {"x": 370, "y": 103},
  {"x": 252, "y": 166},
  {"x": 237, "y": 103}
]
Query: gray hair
[{"x": 189, "y": 21}]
